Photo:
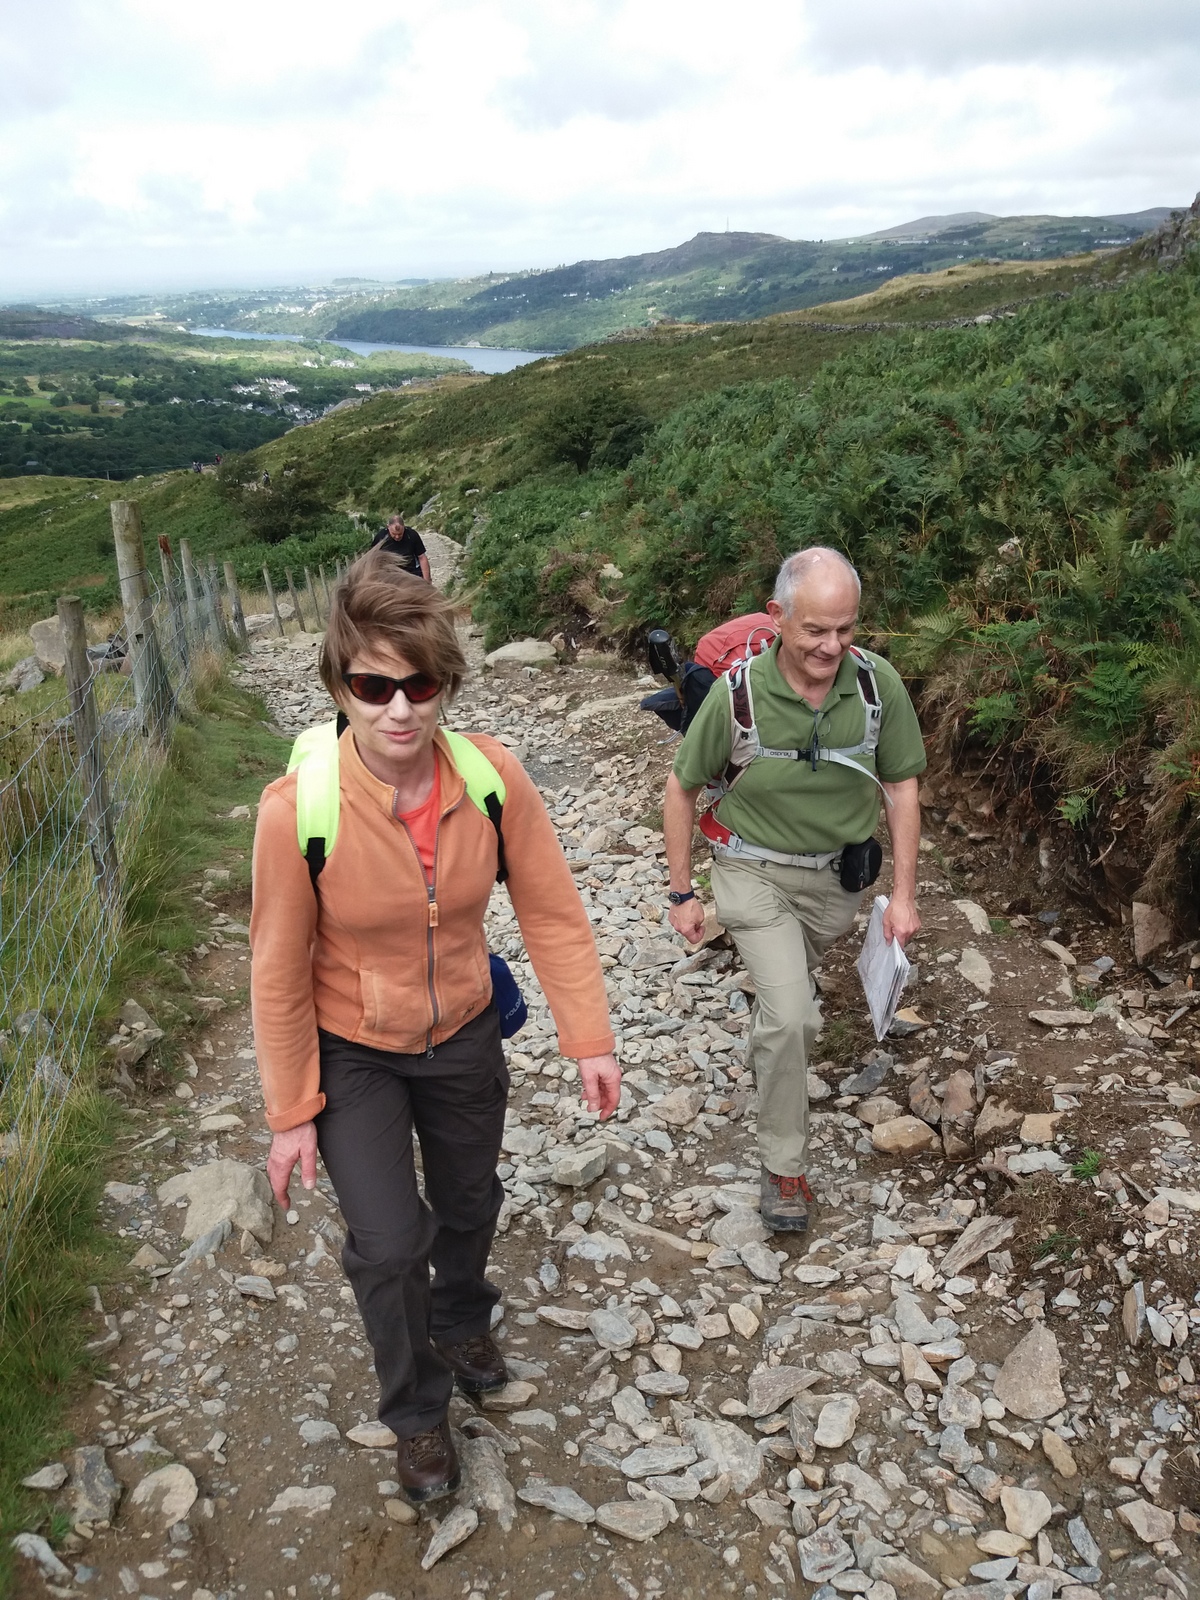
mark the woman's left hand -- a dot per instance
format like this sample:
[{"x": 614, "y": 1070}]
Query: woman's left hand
[{"x": 601, "y": 1080}]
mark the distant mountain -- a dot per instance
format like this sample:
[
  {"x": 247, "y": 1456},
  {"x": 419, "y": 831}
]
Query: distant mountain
[
  {"x": 31, "y": 322},
  {"x": 1140, "y": 222},
  {"x": 713, "y": 277},
  {"x": 928, "y": 227}
]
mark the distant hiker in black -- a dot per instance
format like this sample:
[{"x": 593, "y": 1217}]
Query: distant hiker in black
[{"x": 404, "y": 543}]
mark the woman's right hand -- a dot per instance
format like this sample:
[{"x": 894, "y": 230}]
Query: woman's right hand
[{"x": 295, "y": 1144}]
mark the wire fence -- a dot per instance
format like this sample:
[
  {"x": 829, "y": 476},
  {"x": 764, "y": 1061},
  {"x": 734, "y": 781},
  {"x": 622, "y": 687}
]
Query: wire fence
[{"x": 76, "y": 780}]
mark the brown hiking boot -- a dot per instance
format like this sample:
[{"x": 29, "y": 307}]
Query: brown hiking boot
[
  {"x": 477, "y": 1364},
  {"x": 427, "y": 1465},
  {"x": 785, "y": 1204}
]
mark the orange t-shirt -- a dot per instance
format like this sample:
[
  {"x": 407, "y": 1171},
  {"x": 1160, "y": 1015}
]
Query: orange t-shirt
[{"x": 422, "y": 823}]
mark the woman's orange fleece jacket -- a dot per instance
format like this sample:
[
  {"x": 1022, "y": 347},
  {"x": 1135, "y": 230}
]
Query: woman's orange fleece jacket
[{"x": 380, "y": 957}]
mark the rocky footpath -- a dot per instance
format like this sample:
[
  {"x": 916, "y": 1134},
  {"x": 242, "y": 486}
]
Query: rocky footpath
[{"x": 974, "y": 1379}]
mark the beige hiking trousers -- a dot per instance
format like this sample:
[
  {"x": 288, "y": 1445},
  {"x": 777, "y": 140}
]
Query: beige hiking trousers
[{"x": 782, "y": 919}]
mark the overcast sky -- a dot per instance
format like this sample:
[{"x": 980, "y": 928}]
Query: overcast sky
[{"x": 146, "y": 143}]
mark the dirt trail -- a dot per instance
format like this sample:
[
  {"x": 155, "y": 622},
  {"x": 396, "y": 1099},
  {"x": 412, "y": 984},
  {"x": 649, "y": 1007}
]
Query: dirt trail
[{"x": 708, "y": 1413}]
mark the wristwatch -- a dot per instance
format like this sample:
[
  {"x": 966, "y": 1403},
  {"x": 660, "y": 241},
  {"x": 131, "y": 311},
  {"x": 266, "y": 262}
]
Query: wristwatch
[{"x": 677, "y": 898}]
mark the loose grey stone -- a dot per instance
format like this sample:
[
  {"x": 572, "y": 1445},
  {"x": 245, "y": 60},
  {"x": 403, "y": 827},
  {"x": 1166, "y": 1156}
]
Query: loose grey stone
[
  {"x": 960, "y": 1406},
  {"x": 770, "y": 1391},
  {"x": 910, "y": 1581},
  {"x": 318, "y": 1432},
  {"x": 1026, "y": 1511},
  {"x": 836, "y": 1424},
  {"x": 1030, "y": 1381},
  {"x": 599, "y": 1247},
  {"x": 459, "y": 1524},
  {"x": 824, "y": 1554},
  {"x": 629, "y": 1407},
  {"x": 372, "y": 1436},
  {"x": 976, "y": 969},
  {"x": 208, "y": 1244},
  {"x": 730, "y": 1450},
  {"x": 657, "y": 1458},
  {"x": 310, "y": 1501},
  {"x": 94, "y": 1489},
  {"x": 563, "y": 1502},
  {"x": 51, "y": 1477},
  {"x": 1031, "y": 1161},
  {"x": 638, "y": 1520},
  {"x": 574, "y": 1169},
  {"x": 222, "y": 1191},
  {"x": 678, "y": 1486},
  {"x": 1084, "y": 1545},
  {"x": 671, "y": 1384},
  {"x": 167, "y": 1495},
  {"x": 863, "y": 1488},
  {"x": 1149, "y": 1523},
  {"x": 255, "y": 1288},
  {"x": 611, "y": 1330},
  {"x": 915, "y": 1327},
  {"x": 34, "y": 1548},
  {"x": 738, "y": 1227},
  {"x": 521, "y": 1141},
  {"x": 485, "y": 1484},
  {"x": 956, "y": 1450},
  {"x": 977, "y": 1239},
  {"x": 761, "y": 1262}
]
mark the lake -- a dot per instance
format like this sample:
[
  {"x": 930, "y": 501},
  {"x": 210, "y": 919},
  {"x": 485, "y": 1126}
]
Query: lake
[{"x": 482, "y": 360}]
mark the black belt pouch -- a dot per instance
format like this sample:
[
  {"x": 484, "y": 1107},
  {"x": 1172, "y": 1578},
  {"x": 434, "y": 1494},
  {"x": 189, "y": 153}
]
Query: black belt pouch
[{"x": 860, "y": 865}]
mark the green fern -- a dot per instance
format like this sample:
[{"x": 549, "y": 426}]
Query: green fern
[{"x": 994, "y": 716}]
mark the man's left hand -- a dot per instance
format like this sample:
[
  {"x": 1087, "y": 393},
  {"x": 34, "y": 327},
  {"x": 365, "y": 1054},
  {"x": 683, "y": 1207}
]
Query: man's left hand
[
  {"x": 601, "y": 1080},
  {"x": 900, "y": 920}
]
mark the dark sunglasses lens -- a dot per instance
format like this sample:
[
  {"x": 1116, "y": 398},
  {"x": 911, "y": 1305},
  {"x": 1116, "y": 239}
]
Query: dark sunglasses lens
[
  {"x": 368, "y": 686},
  {"x": 420, "y": 687}
]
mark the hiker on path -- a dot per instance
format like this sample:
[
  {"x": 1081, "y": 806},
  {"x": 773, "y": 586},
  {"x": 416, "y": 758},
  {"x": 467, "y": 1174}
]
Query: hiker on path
[
  {"x": 373, "y": 1003},
  {"x": 788, "y": 833},
  {"x": 406, "y": 544}
]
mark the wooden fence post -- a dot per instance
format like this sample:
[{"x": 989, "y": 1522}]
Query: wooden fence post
[
  {"x": 212, "y": 585},
  {"x": 312, "y": 595},
  {"x": 197, "y": 621},
  {"x": 241, "y": 638},
  {"x": 325, "y": 588},
  {"x": 296, "y": 611},
  {"x": 150, "y": 681},
  {"x": 173, "y": 606},
  {"x": 274, "y": 602},
  {"x": 96, "y": 804}
]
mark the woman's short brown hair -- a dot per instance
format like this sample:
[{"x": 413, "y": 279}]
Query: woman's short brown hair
[{"x": 378, "y": 604}]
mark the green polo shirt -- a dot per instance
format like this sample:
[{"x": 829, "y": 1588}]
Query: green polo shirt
[{"x": 785, "y": 805}]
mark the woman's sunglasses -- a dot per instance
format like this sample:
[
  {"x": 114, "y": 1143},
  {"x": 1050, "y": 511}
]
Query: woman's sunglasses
[{"x": 376, "y": 690}]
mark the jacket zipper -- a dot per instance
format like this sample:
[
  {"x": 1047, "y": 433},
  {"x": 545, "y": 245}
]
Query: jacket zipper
[{"x": 431, "y": 896}]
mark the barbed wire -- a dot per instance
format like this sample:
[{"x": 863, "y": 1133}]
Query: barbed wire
[{"x": 60, "y": 921}]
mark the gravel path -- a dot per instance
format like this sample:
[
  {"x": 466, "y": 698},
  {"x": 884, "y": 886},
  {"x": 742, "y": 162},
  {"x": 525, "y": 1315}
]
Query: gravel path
[{"x": 908, "y": 1404}]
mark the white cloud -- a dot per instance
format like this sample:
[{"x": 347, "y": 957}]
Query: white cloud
[{"x": 272, "y": 140}]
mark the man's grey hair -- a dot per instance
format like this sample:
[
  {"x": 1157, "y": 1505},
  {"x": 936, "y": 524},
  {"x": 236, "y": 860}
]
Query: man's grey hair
[{"x": 805, "y": 564}]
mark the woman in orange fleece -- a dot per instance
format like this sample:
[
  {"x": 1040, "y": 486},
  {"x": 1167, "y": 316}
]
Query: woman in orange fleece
[{"x": 373, "y": 1008}]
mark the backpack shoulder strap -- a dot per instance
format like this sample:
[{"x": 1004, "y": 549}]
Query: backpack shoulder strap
[
  {"x": 743, "y": 731},
  {"x": 485, "y": 788},
  {"x": 868, "y": 693},
  {"x": 314, "y": 760}
]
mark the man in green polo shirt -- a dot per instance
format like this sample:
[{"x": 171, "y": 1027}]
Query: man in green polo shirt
[{"x": 780, "y": 830}]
